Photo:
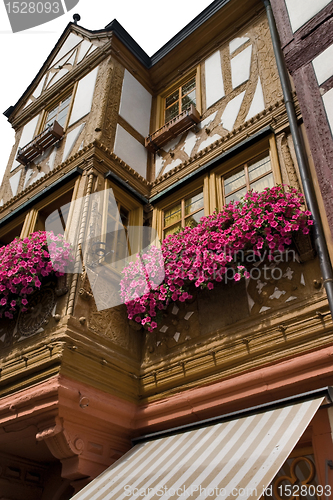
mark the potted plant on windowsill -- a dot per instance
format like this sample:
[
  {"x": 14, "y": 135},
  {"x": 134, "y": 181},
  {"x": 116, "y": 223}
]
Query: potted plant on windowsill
[
  {"x": 261, "y": 225},
  {"x": 25, "y": 264}
]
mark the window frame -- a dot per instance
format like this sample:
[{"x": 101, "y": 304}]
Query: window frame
[
  {"x": 161, "y": 98},
  {"x": 245, "y": 168},
  {"x": 183, "y": 216},
  {"x": 15, "y": 226},
  {"x": 211, "y": 181},
  {"x": 179, "y": 100},
  {"x": 182, "y": 194},
  {"x": 31, "y": 218},
  {"x": 267, "y": 145},
  {"x": 53, "y": 104},
  {"x": 135, "y": 216}
]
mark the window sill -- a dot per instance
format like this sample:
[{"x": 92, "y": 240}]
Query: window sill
[
  {"x": 186, "y": 120},
  {"x": 40, "y": 143}
]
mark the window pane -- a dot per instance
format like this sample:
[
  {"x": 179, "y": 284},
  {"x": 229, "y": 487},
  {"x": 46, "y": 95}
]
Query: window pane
[
  {"x": 236, "y": 196},
  {"x": 188, "y": 100},
  {"x": 64, "y": 104},
  {"x": 188, "y": 86},
  {"x": 235, "y": 181},
  {"x": 172, "y": 112},
  {"x": 59, "y": 113},
  {"x": 124, "y": 216},
  {"x": 172, "y": 215},
  {"x": 121, "y": 251},
  {"x": 193, "y": 220},
  {"x": 113, "y": 216},
  {"x": 108, "y": 247},
  {"x": 194, "y": 203},
  {"x": 259, "y": 168},
  {"x": 172, "y": 229},
  {"x": 263, "y": 183},
  {"x": 51, "y": 116},
  {"x": 172, "y": 98},
  {"x": 61, "y": 118},
  {"x": 117, "y": 246}
]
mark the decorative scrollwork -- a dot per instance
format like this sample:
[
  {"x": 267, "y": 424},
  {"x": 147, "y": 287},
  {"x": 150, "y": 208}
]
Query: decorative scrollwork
[
  {"x": 302, "y": 472},
  {"x": 40, "y": 307}
]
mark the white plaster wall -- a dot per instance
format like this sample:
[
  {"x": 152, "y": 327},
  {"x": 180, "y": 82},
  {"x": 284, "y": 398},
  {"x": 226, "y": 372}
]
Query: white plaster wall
[
  {"x": 38, "y": 90},
  {"x": 70, "y": 42},
  {"x": 328, "y": 104},
  {"x": 130, "y": 151},
  {"x": 172, "y": 144},
  {"x": 189, "y": 143},
  {"x": 204, "y": 123},
  {"x": 210, "y": 140},
  {"x": 301, "y": 11},
  {"x": 71, "y": 139},
  {"x": 231, "y": 111},
  {"x": 213, "y": 79},
  {"x": 172, "y": 165},
  {"x": 14, "y": 182},
  {"x": 237, "y": 42},
  {"x": 84, "y": 48},
  {"x": 135, "y": 104},
  {"x": 28, "y": 133},
  {"x": 84, "y": 96},
  {"x": 240, "y": 67},
  {"x": 258, "y": 103},
  {"x": 159, "y": 164},
  {"x": 51, "y": 159},
  {"x": 323, "y": 65},
  {"x": 62, "y": 72}
]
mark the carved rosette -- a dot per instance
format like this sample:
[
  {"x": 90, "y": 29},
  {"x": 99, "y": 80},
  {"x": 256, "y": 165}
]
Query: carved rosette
[{"x": 40, "y": 307}]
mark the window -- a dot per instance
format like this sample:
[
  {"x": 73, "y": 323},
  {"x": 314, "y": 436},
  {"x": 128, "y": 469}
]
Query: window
[
  {"x": 54, "y": 215},
  {"x": 11, "y": 230},
  {"x": 121, "y": 227},
  {"x": 117, "y": 245},
  {"x": 59, "y": 112},
  {"x": 185, "y": 213},
  {"x": 180, "y": 99},
  {"x": 256, "y": 174}
]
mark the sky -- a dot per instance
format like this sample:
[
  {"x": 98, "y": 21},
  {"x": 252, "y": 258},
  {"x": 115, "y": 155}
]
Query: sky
[{"x": 150, "y": 22}]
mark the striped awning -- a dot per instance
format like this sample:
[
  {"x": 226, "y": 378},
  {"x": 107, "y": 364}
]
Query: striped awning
[{"x": 232, "y": 460}]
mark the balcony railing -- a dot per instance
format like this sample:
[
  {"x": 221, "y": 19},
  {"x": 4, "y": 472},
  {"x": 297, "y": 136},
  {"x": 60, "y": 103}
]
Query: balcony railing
[
  {"x": 173, "y": 128},
  {"x": 52, "y": 134}
]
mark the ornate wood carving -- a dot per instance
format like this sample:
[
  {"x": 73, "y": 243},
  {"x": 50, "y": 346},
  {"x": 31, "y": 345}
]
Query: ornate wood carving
[
  {"x": 180, "y": 325},
  {"x": 296, "y": 472},
  {"x": 112, "y": 323},
  {"x": 40, "y": 307},
  {"x": 60, "y": 442},
  {"x": 289, "y": 175}
]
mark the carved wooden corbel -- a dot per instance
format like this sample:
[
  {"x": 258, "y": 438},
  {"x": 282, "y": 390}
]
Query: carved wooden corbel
[{"x": 59, "y": 441}]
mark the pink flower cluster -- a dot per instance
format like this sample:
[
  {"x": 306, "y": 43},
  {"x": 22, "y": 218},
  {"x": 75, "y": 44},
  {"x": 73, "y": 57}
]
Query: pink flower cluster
[
  {"x": 261, "y": 223},
  {"x": 23, "y": 265}
]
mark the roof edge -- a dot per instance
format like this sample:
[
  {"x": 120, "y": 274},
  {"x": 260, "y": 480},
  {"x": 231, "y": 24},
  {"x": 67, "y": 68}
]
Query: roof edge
[
  {"x": 12, "y": 109},
  {"x": 129, "y": 42}
]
